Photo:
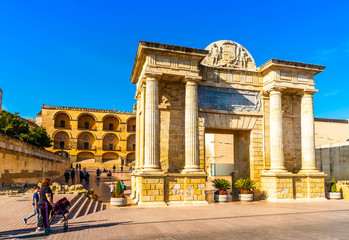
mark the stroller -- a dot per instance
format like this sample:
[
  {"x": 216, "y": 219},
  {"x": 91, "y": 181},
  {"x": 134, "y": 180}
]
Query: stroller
[{"x": 61, "y": 208}]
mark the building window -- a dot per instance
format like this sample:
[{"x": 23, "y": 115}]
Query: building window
[
  {"x": 133, "y": 128},
  {"x": 87, "y": 125},
  {"x": 133, "y": 147},
  {"x": 110, "y": 146},
  {"x": 86, "y": 145},
  {"x": 61, "y": 144},
  {"x": 62, "y": 123},
  {"x": 111, "y": 126}
]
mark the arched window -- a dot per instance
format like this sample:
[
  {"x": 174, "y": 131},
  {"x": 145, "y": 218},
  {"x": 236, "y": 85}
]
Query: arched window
[
  {"x": 86, "y": 141},
  {"x": 86, "y": 121},
  {"x": 62, "y": 120},
  {"x": 110, "y": 142}
]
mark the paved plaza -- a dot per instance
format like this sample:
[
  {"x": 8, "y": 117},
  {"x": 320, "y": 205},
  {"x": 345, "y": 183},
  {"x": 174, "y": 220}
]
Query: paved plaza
[{"x": 234, "y": 220}]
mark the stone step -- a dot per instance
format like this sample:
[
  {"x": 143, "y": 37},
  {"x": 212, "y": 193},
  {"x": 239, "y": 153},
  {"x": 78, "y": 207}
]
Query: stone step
[
  {"x": 95, "y": 207},
  {"x": 75, "y": 206},
  {"x": 82, "y": 208},
  {"x": 89, "y": 207}
]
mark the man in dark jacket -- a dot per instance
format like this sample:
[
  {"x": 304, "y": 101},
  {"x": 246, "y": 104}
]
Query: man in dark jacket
[
  {"x": 72, "y": 174},
  {"x": 66, "y": 176}
]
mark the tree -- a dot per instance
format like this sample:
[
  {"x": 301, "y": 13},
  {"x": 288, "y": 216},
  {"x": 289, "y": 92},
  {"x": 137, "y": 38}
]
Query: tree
[
  {"x": 38, "y": 137},
  {"x": 14, "y": 126}
]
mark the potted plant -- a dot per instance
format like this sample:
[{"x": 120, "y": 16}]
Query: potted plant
[
  {"x": 118, "y": 197},
  {"x": 334, "y": 193},
  {"x": 245, "y": 187},
  {"x": 221, "y": 195}
]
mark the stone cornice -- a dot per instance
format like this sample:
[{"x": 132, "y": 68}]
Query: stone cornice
[
  {"x": 284, "y": 63},
  {"x": 45, "y": 106}
]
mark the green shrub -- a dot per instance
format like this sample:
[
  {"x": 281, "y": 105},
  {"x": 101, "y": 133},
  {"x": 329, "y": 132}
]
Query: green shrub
[
  {"x": 333, "y": 187},
  {"x": 245, "y": 185},
  {"x": 221, "y": 184},
  {"x": 119, "y": 192}
]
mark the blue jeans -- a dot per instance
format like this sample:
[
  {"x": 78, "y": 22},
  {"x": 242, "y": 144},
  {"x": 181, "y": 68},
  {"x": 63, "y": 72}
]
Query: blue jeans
[{"x": 34, "y": 212}]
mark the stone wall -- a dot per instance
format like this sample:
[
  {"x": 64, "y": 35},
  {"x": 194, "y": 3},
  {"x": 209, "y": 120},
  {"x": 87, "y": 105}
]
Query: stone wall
[
  {"x": 25, "y": 163},
  {"x": 329, "y": 131},
  {"x": 333, "y": 159}
]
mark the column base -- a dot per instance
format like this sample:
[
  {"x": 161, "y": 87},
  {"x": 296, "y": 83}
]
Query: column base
[
  {"x": 150, "y": 170},
  {"x": 192, "y": 170},
  {"x": 276, "y": 171},
  {"x": 310, "y": 170}
]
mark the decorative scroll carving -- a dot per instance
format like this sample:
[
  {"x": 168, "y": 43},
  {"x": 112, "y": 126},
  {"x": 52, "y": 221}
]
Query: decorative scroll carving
[
  {"x": 169, "y": 95},
  {"x": 228, "y": 99},
  {"x": 229, "y": 54}
]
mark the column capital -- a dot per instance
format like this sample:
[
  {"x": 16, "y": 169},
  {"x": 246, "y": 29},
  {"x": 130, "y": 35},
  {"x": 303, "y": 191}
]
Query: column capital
[
  {"x": 192, "y": 79},
  {"x": 309, "y": 92},
  {"x": 152, "y": 76},
  {"x": 275, "y": 89}
]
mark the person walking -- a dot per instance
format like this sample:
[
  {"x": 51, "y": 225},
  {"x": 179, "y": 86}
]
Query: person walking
[
  {"x": 66, "y": 176},
  {"x": 71, "y": 165},
  {"x": 122, "y": 168},
  {"x": 87, "y": 177},
  {"x": 112, "y": 188},
  {"x": 72, "y": 174},
  {"x": 81, "y": 176},
  {"x": 45, "y": 205},
  {"x": 114, "y": 167},
  {"x": 77, "y": 167},
  {"x": 35, "y": 206},
  {"x": 123, "y": 185}
]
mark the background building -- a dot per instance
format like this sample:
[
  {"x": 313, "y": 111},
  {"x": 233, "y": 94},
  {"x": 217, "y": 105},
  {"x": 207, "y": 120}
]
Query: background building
[{"x": 93, "y": 137}]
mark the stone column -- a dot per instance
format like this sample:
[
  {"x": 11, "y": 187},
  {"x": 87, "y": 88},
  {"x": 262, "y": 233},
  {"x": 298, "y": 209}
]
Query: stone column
[
  {"x": 276, "y": 133},
  {"x": 307, "y": 132},
  {"x": 151, "y": 146},
  {"x": 192, "y": 163}
]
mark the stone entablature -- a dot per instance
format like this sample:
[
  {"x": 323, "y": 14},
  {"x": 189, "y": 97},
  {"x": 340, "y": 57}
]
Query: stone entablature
[
  {"x": 184, "y": 93},
  {"x": 44, "y": 106}
]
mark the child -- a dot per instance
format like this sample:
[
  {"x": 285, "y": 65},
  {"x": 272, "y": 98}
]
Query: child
[{"x": 35, "y": 205}]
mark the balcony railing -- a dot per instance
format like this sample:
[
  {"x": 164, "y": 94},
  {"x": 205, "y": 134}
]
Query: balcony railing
[
  {"x": 83, "y": 148},
  {"x": 58, "y": 147},
  {"x": 89, "y": 129},
  {"x": 59, "y": 127},
  {"x": 111, "y": 130},
  {"x": 112, "y": 149}
]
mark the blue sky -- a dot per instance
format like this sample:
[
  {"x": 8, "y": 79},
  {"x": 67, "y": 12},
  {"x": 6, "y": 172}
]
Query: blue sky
[{"x": 81, "y": 53}]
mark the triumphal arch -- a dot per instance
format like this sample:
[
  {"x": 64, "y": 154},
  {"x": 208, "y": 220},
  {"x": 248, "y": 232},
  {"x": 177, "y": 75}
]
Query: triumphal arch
[{"x": 200, "y": 108}]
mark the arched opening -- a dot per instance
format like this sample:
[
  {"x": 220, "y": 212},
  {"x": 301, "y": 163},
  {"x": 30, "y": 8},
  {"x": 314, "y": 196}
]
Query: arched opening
[
  {"x": 111, "y": 142},
  {"x": 131, "y": 124},
  {"x": 63, "y": 154},
  {"x": 61, "y": 140},
  {"x": 130, "y": 159},
  {"x": 85, "y": 157},
  {"x": 110, "y": 157},
  {"x": 110, "y": 123},
  {"x": 131, "y": 143},
  {"x": 86, "y": 141},
  {"x": 62, "y": 120},
  {"x": 86, "y": 121}
]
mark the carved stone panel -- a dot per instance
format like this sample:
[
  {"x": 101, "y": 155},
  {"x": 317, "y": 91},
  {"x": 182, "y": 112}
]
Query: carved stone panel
[
  {"x": 229, "y": 54},
  {"x": 228, "y": 99}
]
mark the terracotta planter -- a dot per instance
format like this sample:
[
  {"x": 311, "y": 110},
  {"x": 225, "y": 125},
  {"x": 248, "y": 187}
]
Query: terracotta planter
[
  {"x": 246, "y": 197},
  {"x": 221, "y": 198},
  {"x": 334, "y": 195},
  {"x": 118, "y": 202}
]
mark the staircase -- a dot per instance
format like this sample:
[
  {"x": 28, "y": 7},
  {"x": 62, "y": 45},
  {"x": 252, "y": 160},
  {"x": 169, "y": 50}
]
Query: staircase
[{"x": 80, "y": 206}]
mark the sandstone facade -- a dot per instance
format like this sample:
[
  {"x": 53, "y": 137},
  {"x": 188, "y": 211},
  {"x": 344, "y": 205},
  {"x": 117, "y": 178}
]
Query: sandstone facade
[
  {"x": 188, "y": 99},
  {"x": 24, "y": 163},
  {"x": 92, "y": 137}
]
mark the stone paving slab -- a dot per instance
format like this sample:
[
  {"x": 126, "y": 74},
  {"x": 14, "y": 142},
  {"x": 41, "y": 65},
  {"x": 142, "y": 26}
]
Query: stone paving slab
[{"x": 235, "y": 220}]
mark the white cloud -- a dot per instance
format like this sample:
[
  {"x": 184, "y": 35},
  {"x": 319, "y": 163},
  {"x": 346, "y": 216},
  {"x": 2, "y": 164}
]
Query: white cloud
[{"x": 331, "y": 93}]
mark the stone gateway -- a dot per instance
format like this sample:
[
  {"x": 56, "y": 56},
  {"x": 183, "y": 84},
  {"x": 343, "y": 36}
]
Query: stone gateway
[{"x": 206, "y": 113}]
